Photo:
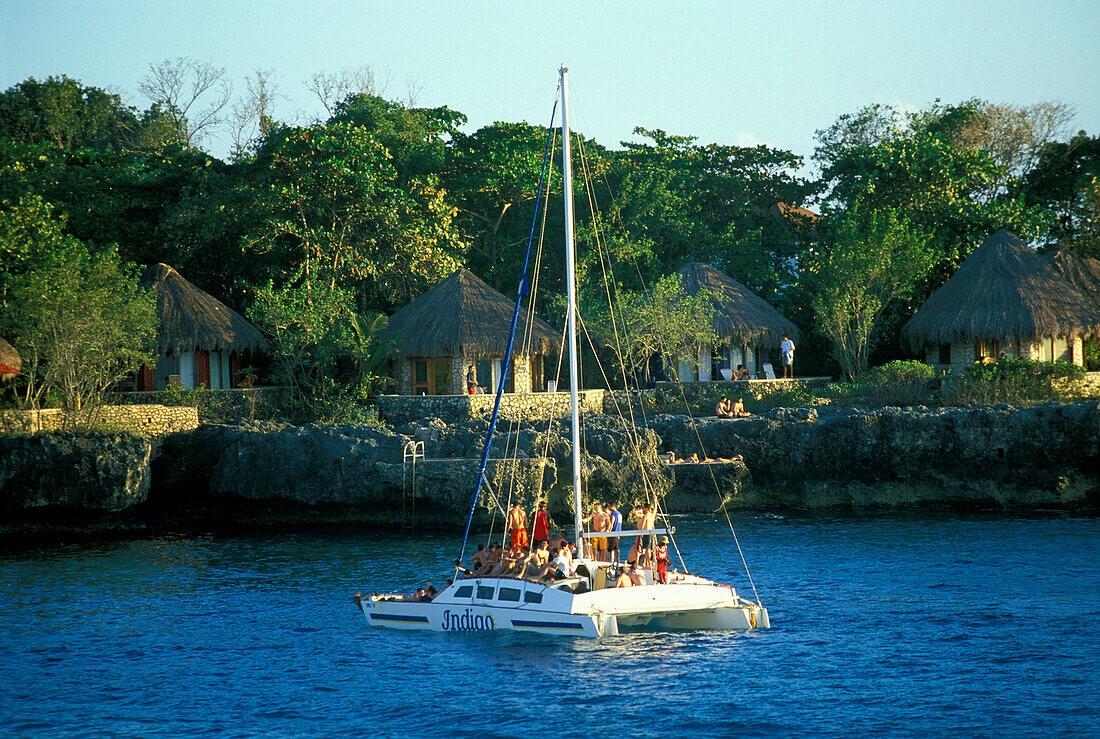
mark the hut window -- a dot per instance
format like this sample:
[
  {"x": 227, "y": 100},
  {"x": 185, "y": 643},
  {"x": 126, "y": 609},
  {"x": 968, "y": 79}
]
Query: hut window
[
  {"x": 945, "y": 354},
  {"x": 1061, "y": 350},
  {"x": 986, "y": 349}
]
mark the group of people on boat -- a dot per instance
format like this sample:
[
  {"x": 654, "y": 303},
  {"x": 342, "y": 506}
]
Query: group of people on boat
[{"x": 543, "y": 558}]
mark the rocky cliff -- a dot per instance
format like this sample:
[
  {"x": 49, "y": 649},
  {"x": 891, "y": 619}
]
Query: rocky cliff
[
  {"x": 357, "y": 473},
  {"x": 807, "y": 458},
  {"x": 1038, "y": 456},
  {"x": 54, "y": 478}
]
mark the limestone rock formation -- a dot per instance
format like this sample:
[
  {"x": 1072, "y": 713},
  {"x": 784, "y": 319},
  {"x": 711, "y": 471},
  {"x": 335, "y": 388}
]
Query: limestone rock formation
[{"x": 72, "y": 473}]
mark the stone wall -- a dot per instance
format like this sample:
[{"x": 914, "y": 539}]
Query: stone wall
[
  {"x": 229, "y": 405},
  {"x": 148, "y": 420},
  {"x": 398, "y": 409}
]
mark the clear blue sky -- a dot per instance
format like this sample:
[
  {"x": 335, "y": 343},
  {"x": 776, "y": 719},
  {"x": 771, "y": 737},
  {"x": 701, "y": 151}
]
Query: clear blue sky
[{"x": 731, "y": 72}]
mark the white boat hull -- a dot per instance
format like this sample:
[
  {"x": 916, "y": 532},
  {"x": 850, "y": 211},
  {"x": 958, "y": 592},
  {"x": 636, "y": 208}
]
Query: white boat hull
[{"x": 475, "y": 605}]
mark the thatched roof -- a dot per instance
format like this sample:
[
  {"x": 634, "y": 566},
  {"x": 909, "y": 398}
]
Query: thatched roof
[
  {"x": 462, "y": 316},
  {"x": 1003, "y": 290},
  {"x": 10, "y": 361},
  {"x": 1081, "y": 272},
  {"x": 192, "y": 320},
  {"x": 742, "y": 316}
]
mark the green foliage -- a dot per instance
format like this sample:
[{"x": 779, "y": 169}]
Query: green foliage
[
  {"x": 76, "y": 316},
  {"x": 665, "y": 322},
  {"x": 683, "y": 201},
  {"x": 873, "y": 259},
  {"x": 1017, "y": 381},
  {"x": 332, "y": 204},
  {"x": 315, "y": 337},
  {"x": 897, "y": 383}
]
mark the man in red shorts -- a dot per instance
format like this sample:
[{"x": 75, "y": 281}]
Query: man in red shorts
[{"x": 517, "y": 524}]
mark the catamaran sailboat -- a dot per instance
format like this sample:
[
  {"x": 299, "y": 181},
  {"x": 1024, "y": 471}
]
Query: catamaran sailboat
[{"x": 584, "y": 603}]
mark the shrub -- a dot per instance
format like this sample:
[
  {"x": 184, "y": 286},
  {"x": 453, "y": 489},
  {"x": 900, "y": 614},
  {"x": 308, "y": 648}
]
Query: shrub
[
  {"x": 1017, "y": 381},
  {"x": 898, "y": 383}
]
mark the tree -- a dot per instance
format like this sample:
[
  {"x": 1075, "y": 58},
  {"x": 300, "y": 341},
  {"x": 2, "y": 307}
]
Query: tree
[
  {"x": 193, "y": 93},
  {"x": 330, "y": 199},
  {"x": 873, "y": 258},
  {"x": 1067, "y": 182},
  {"x": 710, "y": 202},
  {"x": 252, "y": 113},
  {"x": 333, "y": 87},
  {"x": 77, "y": 317},
  {"x": 493, "y": 175},
  {"x": 68, "y": 116},
  {"x": 664, "y": 322},
  {"x": 329, "y": 354}
]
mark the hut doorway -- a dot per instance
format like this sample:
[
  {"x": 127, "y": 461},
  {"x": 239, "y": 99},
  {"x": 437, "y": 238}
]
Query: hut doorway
[{"x": 431, "y": 376}]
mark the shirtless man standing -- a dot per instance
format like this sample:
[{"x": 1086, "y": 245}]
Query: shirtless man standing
[
  {"x": 600, "y": 522},
  {"x": 517, "y": 524}
]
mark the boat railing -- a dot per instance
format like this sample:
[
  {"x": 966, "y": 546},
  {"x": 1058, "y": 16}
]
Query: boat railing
[{"x": 627, "y": 532}]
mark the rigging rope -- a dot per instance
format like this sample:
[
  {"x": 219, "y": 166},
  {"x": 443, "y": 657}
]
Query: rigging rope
[{"x": 520, "y": 292}]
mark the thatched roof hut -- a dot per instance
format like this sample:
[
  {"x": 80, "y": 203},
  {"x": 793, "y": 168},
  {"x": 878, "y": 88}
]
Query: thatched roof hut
[
  {"x": 464, "y": 317},
  {"x": 10, "y": 361},
  {"x": 742, "y": 316},
  {"x": 1003, "y": 291},
  {"x": 1081, "y": 272},
  {"x": 192, "y": 320}
]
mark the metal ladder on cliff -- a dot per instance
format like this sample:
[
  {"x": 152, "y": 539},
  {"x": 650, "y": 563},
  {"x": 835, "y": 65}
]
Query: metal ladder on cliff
[{"x": 414, "y": 451}]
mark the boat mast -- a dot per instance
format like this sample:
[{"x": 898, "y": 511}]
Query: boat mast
[{"x": 571, "y": 295}]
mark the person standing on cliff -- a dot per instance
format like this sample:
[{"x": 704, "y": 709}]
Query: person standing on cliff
[
  {"x": 786, "y": 356},
  {"x": 517, "y": 525},
  {"x": 541, "y": 529}
]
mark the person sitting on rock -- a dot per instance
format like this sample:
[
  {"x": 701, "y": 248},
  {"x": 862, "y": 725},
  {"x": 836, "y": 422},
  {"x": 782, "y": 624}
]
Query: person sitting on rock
[
  {"x": 722, "y": 410},
  {"x": 739, "y": 409}
]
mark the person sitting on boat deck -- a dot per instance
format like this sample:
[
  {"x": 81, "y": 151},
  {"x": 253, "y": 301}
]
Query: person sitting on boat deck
[
  {"x": 722, "y": 410},
  {"x": 741, "y": 373},
  {"x": 478, "y": 560},
  {"x": 543, "y": 552},
  {"x": 561, "y": 542},
  {"x": 431, "y": 591},
  {"x": 636, "y": 576},
  {"x": 541, "y": 528},
  {"x": 623, "y": 581},
  {"x": 662, "y": 560},
  {"x": 563, "y": 561},
  {"x": 492, "y": 556},
  {"x": 517, "y": 524},
  {"x": 739, "y": 409}
]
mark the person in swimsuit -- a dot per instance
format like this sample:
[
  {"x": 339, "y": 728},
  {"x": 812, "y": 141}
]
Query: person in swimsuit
[
  {"x": 739, "y": 409},
  {"x": 722, "y": 410},
  {"x": 517, "y": 524}
]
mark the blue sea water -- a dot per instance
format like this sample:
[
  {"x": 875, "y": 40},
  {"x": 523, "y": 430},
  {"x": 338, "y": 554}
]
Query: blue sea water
[{"x": 930, "y": 624}]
